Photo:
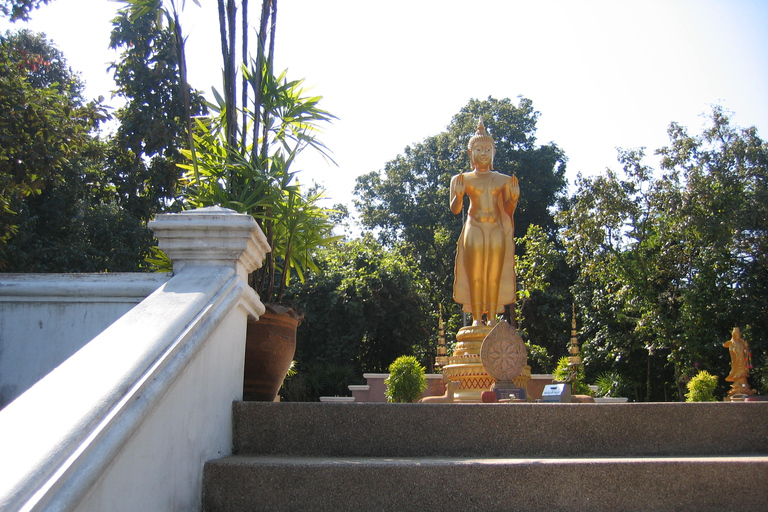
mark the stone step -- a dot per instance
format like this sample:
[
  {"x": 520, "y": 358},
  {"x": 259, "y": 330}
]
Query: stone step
[
  {"x": 282, "y": 483},
  {"x": 501, "y": 430},
  {"x": 466, "y": 457}
]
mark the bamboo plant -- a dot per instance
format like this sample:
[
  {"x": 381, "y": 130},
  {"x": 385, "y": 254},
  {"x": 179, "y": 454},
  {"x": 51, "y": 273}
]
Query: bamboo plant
[
  {"x": 241, "y": 156},
  {"x": 264, "y": 185}
]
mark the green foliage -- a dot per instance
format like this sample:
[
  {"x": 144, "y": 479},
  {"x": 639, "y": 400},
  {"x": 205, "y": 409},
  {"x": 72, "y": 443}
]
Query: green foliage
[
  {"x": 54, "y": 185},
  {"x": 579, "y": 385},
  {"x": 538, "y": 358},
  {"x": 309, "y": 382},
  {"x": 44, "y": 125},
  {"x": 264, "y": 186},
  {"x": 407, "y": 380},
  {"x": 539, "y": 168},
  {"x": 669, "y": 262},
  {"x": 16, "y": 10},
  {"x": 154, "y": 14},
  {"x": 365, "y": 306},
  {"x": 160, "y": 262},
  {"x": 544, "y": 298},
  {"x": 701, "y": 388},
  {"x": 92, "y": 198},
  {"x": 41, "y": 63},
  {"x": 538, "y": 263},
  {"x": 58, "y": 235},
  {"x": 241, "y": 157},
  {"x": 760, "y": 376},
  {"x": 612, "y": 384},
  {"x": 145, "y": 151}
]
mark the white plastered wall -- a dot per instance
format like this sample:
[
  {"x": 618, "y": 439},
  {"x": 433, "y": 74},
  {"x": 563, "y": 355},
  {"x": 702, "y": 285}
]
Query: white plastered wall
[{"x": 45, "y": 318}]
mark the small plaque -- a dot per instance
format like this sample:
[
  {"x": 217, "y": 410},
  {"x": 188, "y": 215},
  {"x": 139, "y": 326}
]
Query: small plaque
[
  {"x": 556, "y": 393},
  {"x": 516, "y": 393}
]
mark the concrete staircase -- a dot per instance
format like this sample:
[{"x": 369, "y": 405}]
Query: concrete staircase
[{"x": 483, "y": 457}]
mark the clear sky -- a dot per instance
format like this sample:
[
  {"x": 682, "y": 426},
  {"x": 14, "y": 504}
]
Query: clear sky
[{"x": 603, "y": 74}]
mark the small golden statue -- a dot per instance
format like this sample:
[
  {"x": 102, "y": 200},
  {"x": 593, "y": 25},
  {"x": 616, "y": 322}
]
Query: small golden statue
[
  {"x": 741, "y": 362},
  {"x": 484, "y": 276}
]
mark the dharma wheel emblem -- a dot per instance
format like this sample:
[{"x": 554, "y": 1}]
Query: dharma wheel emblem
[{"x": 503, "y": 352}]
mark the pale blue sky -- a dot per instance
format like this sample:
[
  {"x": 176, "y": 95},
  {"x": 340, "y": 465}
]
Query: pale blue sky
[{"x": 603, "y": 74}]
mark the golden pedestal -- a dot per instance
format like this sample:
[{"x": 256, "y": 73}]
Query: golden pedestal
[
  {"x": 465, "y": 365},
  {"x": 739, "y": 390}
]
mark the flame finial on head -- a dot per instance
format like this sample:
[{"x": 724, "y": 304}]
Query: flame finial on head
[{"x": 480, "y": 135}]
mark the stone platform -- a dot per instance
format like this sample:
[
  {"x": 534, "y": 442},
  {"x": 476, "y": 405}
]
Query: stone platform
[{"x": 655, "y": 456}]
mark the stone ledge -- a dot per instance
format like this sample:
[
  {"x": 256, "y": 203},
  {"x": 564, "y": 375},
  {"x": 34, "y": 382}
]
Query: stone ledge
[
  {"x": 501, "y": 430},
  {"x": 100, "y": 288},
  {"x": 463, "y": 484}
]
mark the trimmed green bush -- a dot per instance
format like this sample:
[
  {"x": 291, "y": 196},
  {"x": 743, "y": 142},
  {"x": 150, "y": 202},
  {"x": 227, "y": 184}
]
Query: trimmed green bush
[
  {"x": 578, "y": 385},
  {"x": 701, "y": 388},
  {"x": 407, "y": 380}
]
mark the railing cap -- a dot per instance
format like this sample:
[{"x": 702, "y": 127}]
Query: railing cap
[{"x": 211, "y": 236}]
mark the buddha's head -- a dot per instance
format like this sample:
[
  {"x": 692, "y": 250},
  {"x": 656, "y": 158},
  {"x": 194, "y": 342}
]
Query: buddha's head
[{"x": 481, "y": 148}]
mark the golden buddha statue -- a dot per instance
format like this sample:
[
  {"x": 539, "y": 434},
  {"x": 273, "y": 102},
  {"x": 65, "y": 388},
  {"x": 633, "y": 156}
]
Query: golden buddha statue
[
  {"x": 484, "y": 276},
  {"x": 741, "y": 362}
]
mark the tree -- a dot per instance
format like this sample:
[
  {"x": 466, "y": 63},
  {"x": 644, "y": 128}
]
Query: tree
[
  {"x": 723, "y": 221},
  {"x": 367, "y": 306},
  {"x": 153, "y": 14},
  {"x": 45, "y": 125},
  {"x": 539, "y": 168},
  {"x": 544, "y": 297},
  {"x": 19, "y": 9},
  {"x": 668, "y": 265},
  {"x": 146, "y": 148},
  {"x": 246, "y": 151},
  {"x": 409, "y": 198},
  {"x": 93, "y": 216}
]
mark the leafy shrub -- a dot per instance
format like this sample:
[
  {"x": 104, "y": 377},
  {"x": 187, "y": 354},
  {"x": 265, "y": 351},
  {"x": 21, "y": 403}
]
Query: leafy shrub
[
  {"x": 701, "y": 388},
  {"x": 308, "y": 383},
  {"x": 538, "y": 358},
  {"x": 578, "y": 385},
  {"x": 407, "y": 380},
  {"x": 612, "y": 384},
  {"x": 759, "y": 375}
]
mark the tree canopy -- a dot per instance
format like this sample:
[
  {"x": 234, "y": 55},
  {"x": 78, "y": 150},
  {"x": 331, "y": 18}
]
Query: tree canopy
[
  {"x": 408, "y": 199},
  {"x": 45, "y": 126},
  {"x": 669, "y": 262},
  {"x": 146, "y": 149},
  {"x": 366, "y": 306},
  {"x": 19, "y": 9},
  {"x": 81, "y": 202}
]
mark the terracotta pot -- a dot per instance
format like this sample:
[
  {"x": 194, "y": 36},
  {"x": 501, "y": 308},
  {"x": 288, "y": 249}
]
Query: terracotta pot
[{"x": 270, "y": 344}]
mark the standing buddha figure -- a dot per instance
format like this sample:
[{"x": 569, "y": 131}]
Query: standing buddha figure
[
  {"x": 741, "y": 362},
  {"x": 484, "y": 275}
]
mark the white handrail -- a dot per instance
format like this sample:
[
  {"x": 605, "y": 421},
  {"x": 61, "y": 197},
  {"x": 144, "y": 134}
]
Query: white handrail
[{"x": 64, "y": 442}]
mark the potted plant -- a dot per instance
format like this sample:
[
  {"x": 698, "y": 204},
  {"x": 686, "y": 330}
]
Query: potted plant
[{"x": 242, "y": 159}]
